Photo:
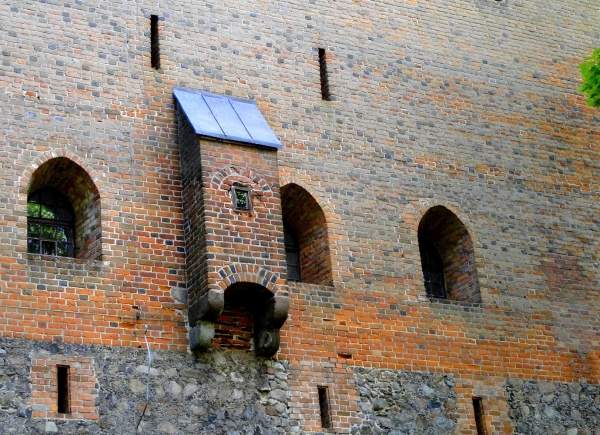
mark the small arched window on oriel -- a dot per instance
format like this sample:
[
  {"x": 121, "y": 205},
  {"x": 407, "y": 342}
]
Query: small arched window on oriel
[{"x": 50, "y": 223}]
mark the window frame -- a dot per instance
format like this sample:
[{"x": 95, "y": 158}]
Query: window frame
[
  {"x": 426, "y": 246},
  {"x": 234, "y": 198},
  {"x": 289, "y": 232},
  {"x": 62, "y": 202}
]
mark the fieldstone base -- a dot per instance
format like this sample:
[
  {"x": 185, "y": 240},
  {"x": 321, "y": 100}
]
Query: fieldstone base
[
  {"x": 554, "y": 408},
  {"x": 403, "y": 403}
]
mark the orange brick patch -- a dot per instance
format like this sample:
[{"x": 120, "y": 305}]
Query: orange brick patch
[{"x": 82, "y": 386}]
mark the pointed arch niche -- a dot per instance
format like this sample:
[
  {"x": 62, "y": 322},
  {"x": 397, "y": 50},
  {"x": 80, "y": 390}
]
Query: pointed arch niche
[
  {"x": 305, "y": 223},
  {"x": 447, "y": 257}
]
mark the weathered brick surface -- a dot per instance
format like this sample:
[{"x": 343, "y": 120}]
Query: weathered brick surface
[{"x": 470, "y": 105}]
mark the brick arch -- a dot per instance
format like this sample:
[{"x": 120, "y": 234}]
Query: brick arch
[
  {"x": 76, "y": 180},
  {"x": 443, "y": 226},
  {"x": 254, "y": 308},
  {"x": 423, "y": 206},
  {"x": 219, "y": 178},
  {"x": 248, "y": 273},
  {"x": 26, "y": 177},
  {"x": 329, "y": 214},
  {"x": 304, "y": 212},
  {"x": 335, "y": 227}
]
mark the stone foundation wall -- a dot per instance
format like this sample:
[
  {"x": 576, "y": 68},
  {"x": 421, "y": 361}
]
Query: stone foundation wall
[
  {"x": 218, "y": 392},
  {"x": 402, "y": 403},
  {"x": 554, "y": 408}
]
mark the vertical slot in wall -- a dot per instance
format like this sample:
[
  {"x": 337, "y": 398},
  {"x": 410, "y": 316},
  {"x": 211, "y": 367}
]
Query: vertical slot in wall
[
  {"x": 479, "y": 416},
  {"x": 325, "y": 94},
  {"x": 154, "y": 45},
  {"x": 62, "y": 377},
  {"x": 324, "y": 408}
]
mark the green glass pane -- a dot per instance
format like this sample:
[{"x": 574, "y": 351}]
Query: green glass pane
[
  {"x": 33, "y": 210},
  {"x": 62, "y": 249},
  {"x": 33, "y": 246},
  {"x": 61, "y": 234},
  {"x": 48, "y": 232},
  {"x": 48, "y": 248},
  {"x": 241, "y": 198},
  {"x": 33, "y": 230},
  {"x": 47, "y": 213}
]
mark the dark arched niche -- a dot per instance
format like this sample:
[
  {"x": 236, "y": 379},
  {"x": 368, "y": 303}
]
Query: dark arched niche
[
  {"x": 307, "y": 220},
  {"x": 452, "y": 273}
]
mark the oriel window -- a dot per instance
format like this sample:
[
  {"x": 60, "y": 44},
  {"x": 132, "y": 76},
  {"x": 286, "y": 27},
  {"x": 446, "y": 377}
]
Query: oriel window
[{"x": 50, "y": 223}]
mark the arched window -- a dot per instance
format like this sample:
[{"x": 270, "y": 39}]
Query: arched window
[
  {"x": 433, "y": 269},
  {"x": 63, "y": 211},
  {"x": 50, "y": 223},
  {"x": 447, "y": 257},
  {"x": 292, "y": 252}
]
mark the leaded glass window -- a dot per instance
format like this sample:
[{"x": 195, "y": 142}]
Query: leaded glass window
[{"x": 50, "y": 223}]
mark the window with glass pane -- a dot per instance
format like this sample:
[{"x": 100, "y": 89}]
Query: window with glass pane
[
  {"x": 241, "y": 198},
  {"x": 50, "y": 223},
  {"x": 433, "y": 269},
  {"x": 292, "y": 252}
]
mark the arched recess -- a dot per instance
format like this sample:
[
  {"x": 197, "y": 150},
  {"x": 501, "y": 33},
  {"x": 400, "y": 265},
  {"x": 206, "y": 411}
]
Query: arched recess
[
  {"x": 245, "y": 303},
  {"x": 75, "y": 183},
  {"x": 244, "y": 318},
  {"x": 306, "y": 219},
  {"x": 447, "y": 257}
]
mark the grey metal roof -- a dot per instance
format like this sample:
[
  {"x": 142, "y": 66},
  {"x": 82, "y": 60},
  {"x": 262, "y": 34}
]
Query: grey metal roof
[{"x": 224, "y": 117}]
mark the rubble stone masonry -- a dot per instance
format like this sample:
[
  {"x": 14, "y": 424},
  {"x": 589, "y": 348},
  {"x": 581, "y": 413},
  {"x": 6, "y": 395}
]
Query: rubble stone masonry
[{"x": 470, "y": 105}]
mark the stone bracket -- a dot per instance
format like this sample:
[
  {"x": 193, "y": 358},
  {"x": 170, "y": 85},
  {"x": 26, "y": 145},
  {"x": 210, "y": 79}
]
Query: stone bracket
[
  {"x": 268, "y": 319},
  {"x": 207, "y": 308},
  {"x": 202, "y": 315}
]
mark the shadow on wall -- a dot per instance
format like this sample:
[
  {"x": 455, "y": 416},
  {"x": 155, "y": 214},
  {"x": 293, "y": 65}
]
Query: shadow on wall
[{"x": 447, "y": 257}]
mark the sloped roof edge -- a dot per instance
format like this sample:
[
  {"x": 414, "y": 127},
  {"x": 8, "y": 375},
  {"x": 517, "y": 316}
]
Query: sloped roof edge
[{"x": 223, "y": 117}]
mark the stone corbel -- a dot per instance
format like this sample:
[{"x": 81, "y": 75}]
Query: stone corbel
[
  {"x": 268, "y": 319},
  {"x": 202, "y": 315}
]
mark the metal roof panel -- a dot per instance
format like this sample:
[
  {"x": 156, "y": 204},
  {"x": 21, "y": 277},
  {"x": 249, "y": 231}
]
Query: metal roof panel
[{"x": 224, "y": 117}]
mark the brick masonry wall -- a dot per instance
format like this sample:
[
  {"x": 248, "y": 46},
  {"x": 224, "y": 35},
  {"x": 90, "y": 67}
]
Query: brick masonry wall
[
  {"x": 81, "y": 381},
  {"x": 471, "y": 105}
]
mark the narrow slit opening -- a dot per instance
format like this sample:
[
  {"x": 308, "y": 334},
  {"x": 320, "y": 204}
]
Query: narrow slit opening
[
  {"x": 63, "y": 389},
  {"x": 324, "y": 408},
  {"x": 154, "y": 45},
  {"x": 325, "y": 95},
  {"x": 479, "y": 416}
]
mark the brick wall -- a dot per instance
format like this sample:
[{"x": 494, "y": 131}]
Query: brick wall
[{"x": 82, "y": 387}]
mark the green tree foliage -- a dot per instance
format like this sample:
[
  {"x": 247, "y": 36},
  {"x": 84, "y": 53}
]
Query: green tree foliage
[{"x": 590, "y": 70}]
